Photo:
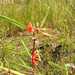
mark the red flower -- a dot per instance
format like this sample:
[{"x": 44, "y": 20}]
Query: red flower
[
  {"x": 30, "y": 27},
  {"x": 35, "y": 57}
]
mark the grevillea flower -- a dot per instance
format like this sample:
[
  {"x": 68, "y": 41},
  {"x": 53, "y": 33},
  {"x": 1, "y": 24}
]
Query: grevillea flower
[
  {"x": 30, "y": 27},
  {"x": 35, "y": 57}
]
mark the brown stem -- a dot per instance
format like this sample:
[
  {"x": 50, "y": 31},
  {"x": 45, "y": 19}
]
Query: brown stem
[
  {"x": 33, "y": 69},
  {"x": 34, "y": 39}
]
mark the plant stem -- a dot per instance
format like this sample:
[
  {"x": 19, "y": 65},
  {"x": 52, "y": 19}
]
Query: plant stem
[{"x": 33, "y": 66}]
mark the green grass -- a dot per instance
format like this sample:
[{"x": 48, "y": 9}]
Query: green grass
[{"x": 58, "y": 14}]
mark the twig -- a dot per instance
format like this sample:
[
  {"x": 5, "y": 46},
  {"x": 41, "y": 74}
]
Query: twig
[{"x": 11, "y": 71}]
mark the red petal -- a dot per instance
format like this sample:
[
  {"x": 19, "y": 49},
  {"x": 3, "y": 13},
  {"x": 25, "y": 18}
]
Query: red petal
[
  {"x": 35, "y": 58},
  {"x": 34, "y": 62},
  {"x": 30, "y": 28}
]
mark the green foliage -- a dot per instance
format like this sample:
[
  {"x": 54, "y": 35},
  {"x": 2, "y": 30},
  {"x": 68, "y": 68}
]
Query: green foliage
[
  {"x": 58, "y": 14},
  {"x": 14, "y": 22}
]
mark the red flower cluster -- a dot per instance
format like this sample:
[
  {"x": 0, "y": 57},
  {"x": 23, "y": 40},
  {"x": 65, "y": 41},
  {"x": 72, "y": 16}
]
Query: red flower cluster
[
  {"x": 30, "y": 27},
  {"x": 35, "y": 57}
]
